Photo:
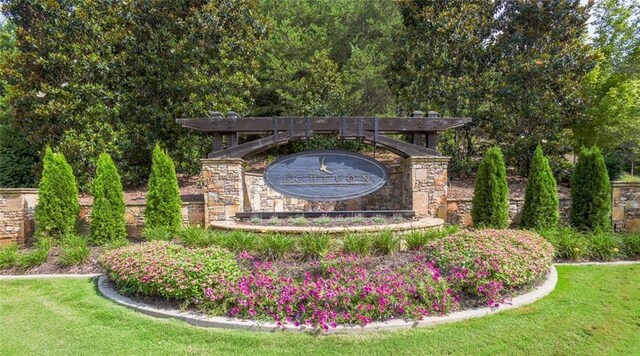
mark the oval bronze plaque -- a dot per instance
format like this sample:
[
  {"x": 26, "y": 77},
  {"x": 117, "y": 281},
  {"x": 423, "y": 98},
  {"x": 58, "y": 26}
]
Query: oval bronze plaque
[{"x": 326, "y": 175}]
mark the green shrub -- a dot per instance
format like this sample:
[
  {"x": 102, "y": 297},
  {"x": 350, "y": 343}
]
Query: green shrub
[
  {"x": 541, "y": 196},
  {"x": 357, "y": 219},
  {"x": 274, "y": 221},
  {"x": 357, "y": 244},
  {"x": 491, "y": 195},
  {"x": 631, "y": 245},
  {"x": 159, "y": 233},
  {"x": 274, "y": 247},
  {"x": 197, "y": 236},
  {"x": 58, "y": 207},
  {"x": 179, "y": 272},
  {"x": 107, "y": 215},
  {"x": 385, "y": 242},
  {"x": 512, "y": 258},
  {"x": 37, "y": 256},
  {"x": 164, "y": 207},
  {"x": 605, "y": 246},
  {"x": 590, "y": 192},
  {"x": 378, "y": 219},
  {"x": 323, "y": 220},
  {"x": 314, "y": 246},
  {"x": 569, "y": 244},
  {"x": 9, "y": 256},
  {"x": 238, "y": 241},
  {"x": 73, "y": 250},
  {"x": 298, "y": 221},
  {"x": 17, "y": 159}
]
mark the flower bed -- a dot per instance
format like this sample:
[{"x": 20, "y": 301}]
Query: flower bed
[{"x": 464, "y": 269}]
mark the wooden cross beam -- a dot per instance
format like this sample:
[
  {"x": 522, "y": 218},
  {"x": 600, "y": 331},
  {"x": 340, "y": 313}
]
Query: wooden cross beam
[{"x": 424, "y": 131}]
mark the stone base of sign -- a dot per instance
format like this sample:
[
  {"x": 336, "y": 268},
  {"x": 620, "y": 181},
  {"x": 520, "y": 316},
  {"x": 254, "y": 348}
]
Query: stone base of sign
[
  {"x": 422, "y": 224},
  {"x": 626, "y": 206},
  {"x": 424, "y": 185},
  {"x": 17, "y": 212},
  {"x": 224, "y": 187}
]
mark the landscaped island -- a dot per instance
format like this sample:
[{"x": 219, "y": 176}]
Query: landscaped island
[{"x": 321, "y": 288}]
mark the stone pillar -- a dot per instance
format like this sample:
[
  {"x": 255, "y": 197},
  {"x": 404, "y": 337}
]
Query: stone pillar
[
  {"x": 425, "y": 185},
  {"x": 223, "y": 182},
  {"x": 17, "y": 211}
]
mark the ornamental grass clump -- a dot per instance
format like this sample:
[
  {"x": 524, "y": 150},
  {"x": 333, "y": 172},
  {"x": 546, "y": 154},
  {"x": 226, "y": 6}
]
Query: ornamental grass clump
[
  {"x": 171, "y": 271},
  {"x": 490, "y": 264},
  {"x": 632, "y": 245},
  {"x": 490, "y": 206},
  {"x": 568, "y": 243},
  {"x": 107, "y": 215},
  {"x": 73, "y": 250},
  {"x": 541, "y": 196},
  {"x": 274, "y": 246},
  {"x": 385, "y": 242},
  {"x": 164, "y": 207},
  {"x": 356, "y": 244},
  {"x": 57, "y": 210},
  {"x": 590, "y": 192},
  {"x": 314, "y": 246},
  {"x": 605, "y": 246}
]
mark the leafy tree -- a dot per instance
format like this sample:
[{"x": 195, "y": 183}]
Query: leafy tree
[
  {"x": 17, "y": 159},
  {"x": 326, "y": 57},
  {"x": 112, "y": 76},
  {"x": 17, "y": 156},
  {"x": 541, "y": 196},
  {"x": 612, "y": 88},
  {"x": 164, "y": 207},
  {"x": 490, "y": 206},
  {"x": 511, "y": 65},
  {"x": 107, "y": 216},
  {"x": 58, "y": 207},
  {"x": 590, "y": 192}
]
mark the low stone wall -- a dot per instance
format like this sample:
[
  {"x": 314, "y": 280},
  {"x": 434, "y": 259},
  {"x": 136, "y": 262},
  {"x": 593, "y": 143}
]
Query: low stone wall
[
  {"x": 626, "y": 206},
  {"x": 192, "y": 214},
  {"x": 459, "y": 211},
  {"x": 17, "y": 215}
]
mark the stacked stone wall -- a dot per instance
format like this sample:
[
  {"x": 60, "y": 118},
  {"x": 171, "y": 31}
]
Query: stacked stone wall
[
  {"x": 459, "y": 211},
  {"x": 626, "y": 206}
]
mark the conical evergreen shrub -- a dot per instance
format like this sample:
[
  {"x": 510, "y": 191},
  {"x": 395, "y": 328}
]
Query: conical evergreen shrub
[
  {"x": 491, "y": 196},
  {"x": 58, "y": 207},
  {"x": 541, "y": 196},
  {"x": 164, "y": 208},
  {"x": 590, "y": 192},
  {"x": 107, "y": 216}
]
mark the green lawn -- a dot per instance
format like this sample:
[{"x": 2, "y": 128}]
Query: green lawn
[{"x": 594, "y": 310}]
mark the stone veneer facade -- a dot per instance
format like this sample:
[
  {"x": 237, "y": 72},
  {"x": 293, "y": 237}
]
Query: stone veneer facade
[
  {"x": 418, "y": 184},
  {"x": 459, "y": 211},
  {"x": 626, "y": 206},
  {"x": 17, "y": 215}
]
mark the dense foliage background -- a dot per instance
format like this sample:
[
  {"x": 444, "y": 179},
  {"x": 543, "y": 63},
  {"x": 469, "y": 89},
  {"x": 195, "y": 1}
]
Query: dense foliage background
[{"x": 112, "y": 76}]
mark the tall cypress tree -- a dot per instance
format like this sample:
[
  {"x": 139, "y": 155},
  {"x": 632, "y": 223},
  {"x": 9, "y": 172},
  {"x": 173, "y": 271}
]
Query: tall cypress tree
[
  {"x": 491, "y": 195},
  {"x": 541, "y": 197},
  {"x": 58, "y": 207},
  {"x": 591, "y": 192},
  {"x": 107, "y": 216},
  {"x": 164, "y": 208}
]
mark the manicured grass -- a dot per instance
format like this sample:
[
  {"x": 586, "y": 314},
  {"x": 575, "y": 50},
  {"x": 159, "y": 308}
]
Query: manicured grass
[{"x": 594, "y": 310}]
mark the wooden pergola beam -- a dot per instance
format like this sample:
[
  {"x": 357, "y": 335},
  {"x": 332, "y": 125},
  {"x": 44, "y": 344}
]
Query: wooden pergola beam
[{"x": 387, "y": 125}]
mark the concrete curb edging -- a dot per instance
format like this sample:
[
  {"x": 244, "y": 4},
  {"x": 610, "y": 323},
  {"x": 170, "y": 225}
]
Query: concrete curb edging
[
  {"x": 395, "y": 324},
  {"x": 10, "y": 277}
]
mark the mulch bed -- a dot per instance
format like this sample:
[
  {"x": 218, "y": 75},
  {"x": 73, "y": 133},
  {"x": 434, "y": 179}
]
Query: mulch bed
[{"x": 52, "y": 266}]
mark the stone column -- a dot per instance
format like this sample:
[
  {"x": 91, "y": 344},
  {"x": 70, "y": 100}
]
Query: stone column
[
  {"x": 223, "y": 182},
  {"x": 425, "y": 185},
  {"x": 17, "y": 208}
]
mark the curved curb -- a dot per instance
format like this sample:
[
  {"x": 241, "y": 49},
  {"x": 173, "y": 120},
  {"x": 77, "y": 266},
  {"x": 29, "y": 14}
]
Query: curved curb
[
  {"x": 10, "y": 277},
  {"x": 424, "y": 223},
  {"x": 395, "y": 324},
  {"x": 612, "y": 263}
]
